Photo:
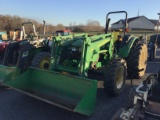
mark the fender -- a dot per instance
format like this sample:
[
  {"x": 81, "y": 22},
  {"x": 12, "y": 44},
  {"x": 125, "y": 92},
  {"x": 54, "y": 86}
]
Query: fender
[{"x": 126, "y": 46}]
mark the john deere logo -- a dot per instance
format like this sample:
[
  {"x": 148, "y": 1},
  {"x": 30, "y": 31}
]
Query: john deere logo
[{"x": 25, "y": 54}]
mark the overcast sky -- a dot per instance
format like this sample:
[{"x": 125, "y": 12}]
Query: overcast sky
[{"x": 78, "y": 11}]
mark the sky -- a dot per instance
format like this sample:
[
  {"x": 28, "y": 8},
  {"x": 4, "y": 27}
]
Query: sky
[{"x": 77, "y": 12}]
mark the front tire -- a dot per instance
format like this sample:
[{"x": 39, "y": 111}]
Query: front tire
[
  {"x": 115, "y": 76},
  {"x": 41, "y": 60}
]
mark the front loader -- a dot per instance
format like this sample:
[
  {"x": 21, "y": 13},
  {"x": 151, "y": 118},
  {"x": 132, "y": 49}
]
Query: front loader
[{"x": 69, "y": 83}]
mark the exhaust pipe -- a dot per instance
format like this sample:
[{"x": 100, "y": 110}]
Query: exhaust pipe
[{"x": 44, "y": 26}]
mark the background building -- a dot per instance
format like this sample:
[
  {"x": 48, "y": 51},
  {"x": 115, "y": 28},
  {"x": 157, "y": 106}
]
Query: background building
[
  {"x": 156, "y": 23},
  {"x": 140, "y": 23}
]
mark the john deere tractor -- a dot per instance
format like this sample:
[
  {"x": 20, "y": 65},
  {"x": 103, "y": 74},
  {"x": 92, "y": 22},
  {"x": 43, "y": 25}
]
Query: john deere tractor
[
  {"x": 26, "y": 48},
  {"x": 75, "y": 59}
]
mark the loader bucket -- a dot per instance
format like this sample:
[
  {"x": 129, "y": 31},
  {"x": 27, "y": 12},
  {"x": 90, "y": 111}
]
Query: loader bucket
[
  {"x": 6, "y": 72},
  {"x": 66, "y": 91}
]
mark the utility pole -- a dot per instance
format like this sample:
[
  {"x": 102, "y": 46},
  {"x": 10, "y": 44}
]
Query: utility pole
[{"x": 138, "y": 14}]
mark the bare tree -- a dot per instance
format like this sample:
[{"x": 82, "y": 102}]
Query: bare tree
[
  {"x": 60, "y": 26},
  {"x": 92, "y": 26},
  {"x": 9, "y": 23}
]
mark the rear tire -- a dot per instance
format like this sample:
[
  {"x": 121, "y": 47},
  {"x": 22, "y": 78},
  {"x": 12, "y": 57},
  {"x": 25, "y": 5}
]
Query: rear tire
[
  {"x": 41, "y": 60},
  {"x": 115, "y": 76},
  {"x": 137, "y": 60}
]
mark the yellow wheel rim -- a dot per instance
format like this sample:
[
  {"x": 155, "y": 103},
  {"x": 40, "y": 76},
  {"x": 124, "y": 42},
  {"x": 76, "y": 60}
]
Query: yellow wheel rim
[
  {"x": 143, "y": 60},
  {"x": 44, "y": 63},
  {"x": 119, "y": 78}
]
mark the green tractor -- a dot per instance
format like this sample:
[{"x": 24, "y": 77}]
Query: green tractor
[{"x": 69, "y": 83}]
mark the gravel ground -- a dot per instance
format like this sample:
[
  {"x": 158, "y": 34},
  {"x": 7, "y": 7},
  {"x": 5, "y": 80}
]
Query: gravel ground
[{"x": 17, "y": 106}]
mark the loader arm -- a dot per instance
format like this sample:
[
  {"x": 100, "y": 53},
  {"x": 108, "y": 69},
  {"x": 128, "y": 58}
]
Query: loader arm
[
  {"x": 58, "y": 43},
  {"x": 92, "y": 48},
  {"x": 87, "y": 49}
]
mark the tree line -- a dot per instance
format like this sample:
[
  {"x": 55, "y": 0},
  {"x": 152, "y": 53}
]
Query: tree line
[{"x": 10, "y": 23}]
